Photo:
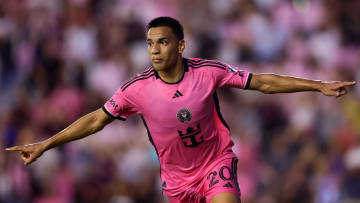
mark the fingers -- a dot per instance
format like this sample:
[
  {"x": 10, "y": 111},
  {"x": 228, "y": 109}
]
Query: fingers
[
  {"x": 27, "y": 158},
  {"x": 350, "y": 83},
  {"x": 344, "y": 84},
  {"x": 16, "y": 148},
  {"x": 340, "y": 92},
  {"x": 29, "y": 161},
  {"x": 339, "y": 89},
  {"x": 26, "y": 155}
]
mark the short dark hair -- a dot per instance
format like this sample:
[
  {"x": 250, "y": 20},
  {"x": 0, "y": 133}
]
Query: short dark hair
[{"x": 170, "y": 22}]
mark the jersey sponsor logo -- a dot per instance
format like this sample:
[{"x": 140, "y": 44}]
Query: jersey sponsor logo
[
  {"x": 177, "y": 94},
  {"x": 189, "y": 136},
  {"x": 184, "y": 115}
]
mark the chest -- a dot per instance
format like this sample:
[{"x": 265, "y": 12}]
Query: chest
[{"x": 183, "y": 103}]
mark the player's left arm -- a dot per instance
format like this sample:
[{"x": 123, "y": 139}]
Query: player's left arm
[{"x": 273, "y": 83}]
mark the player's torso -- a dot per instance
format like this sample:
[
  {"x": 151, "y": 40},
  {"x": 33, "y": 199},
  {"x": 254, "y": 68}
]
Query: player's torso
[
  {"x": 183, "y": 122},
  {"x": 179, "y": 113}
]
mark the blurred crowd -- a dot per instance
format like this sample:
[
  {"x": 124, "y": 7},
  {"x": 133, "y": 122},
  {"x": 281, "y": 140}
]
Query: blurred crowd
[{"x": 61, "y": 59}]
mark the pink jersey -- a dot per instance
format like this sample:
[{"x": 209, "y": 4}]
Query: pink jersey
[{"x": 183, "y": 119}]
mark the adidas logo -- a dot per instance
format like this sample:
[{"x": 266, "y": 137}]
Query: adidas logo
[
  {"x": 177, "y": 94},
  {"x": 228, "y": 185}
]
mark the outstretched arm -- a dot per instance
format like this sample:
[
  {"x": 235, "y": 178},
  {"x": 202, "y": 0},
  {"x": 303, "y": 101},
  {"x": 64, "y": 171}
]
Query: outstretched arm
[
  {"x": 272, "y": 83},
  {"x": 86, "y": 125}
]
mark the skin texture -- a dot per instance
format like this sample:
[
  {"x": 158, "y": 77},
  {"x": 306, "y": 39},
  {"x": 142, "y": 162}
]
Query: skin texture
[
  {"x": 165, "y": 51},
  {"x": 86, "y": 125},
  {"x": 272, "y": 83},
  {"x": 225, "y": 198}
]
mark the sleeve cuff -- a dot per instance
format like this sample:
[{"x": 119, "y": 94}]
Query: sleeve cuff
[
  {"x": 248, "y": 81},
  {"x": 109, "y": 114}
]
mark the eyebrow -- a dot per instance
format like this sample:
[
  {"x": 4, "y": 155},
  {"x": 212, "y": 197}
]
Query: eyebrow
[{"x": 160, "y": 39}]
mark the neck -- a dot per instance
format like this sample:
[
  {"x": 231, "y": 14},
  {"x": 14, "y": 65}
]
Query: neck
[{"x": 174, "y": 74}]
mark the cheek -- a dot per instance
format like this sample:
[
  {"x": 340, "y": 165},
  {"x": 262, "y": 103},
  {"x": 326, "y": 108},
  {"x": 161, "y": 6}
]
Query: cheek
[{"x": 171, "y": 52}]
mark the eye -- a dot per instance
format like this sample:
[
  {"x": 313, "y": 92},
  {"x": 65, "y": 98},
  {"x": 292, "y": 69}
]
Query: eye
[
  {"x": 164, "y": 42},
  {"x": 149, "y": 43}
]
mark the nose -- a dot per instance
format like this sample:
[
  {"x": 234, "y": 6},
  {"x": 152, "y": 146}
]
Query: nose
[{"x": 155, "y": 49}]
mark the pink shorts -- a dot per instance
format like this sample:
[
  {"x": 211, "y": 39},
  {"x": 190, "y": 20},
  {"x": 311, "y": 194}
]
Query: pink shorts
[{"x": 221, "y": 179}]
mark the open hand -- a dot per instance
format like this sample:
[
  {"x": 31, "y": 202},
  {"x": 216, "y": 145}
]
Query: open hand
[
  {"x": 336, "y": 89},
  {"x": 29, "y": 152}
]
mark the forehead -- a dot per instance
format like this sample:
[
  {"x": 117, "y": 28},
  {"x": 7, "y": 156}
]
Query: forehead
[{"x": 160, "y": 32}]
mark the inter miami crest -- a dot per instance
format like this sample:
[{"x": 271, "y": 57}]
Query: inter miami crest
[{"x": 184, "y": 115}]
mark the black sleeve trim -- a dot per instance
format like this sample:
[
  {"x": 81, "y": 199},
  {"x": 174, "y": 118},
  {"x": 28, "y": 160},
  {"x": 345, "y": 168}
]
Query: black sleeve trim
[
  {"x": 248, "y": 81},
  {"x": 109, "y": 114}
]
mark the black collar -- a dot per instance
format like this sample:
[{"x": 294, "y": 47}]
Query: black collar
[{"x": 186, "y": 69}]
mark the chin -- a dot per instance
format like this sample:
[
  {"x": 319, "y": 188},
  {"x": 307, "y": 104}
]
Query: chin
[{"x": 158, "y": 68}]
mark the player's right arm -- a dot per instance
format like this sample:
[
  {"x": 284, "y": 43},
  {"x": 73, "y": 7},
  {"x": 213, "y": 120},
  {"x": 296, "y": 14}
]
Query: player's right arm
[{"x": 85, "y": 126}]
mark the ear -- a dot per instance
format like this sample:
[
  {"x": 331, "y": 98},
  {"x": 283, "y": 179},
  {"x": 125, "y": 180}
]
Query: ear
[{"x": 181, "y": 46}]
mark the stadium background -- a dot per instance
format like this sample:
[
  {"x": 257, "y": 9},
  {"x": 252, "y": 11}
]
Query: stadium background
[{"x": 62, "y": 59}]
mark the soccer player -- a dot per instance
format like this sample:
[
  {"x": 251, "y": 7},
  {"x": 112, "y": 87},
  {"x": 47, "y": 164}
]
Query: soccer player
[{"x": 177, "y": 101}]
